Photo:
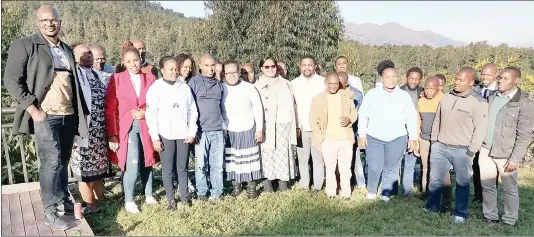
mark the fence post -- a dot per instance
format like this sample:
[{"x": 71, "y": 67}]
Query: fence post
[
  {"x": 8, "y": 161},
  {"x": 23, "y": 158}
]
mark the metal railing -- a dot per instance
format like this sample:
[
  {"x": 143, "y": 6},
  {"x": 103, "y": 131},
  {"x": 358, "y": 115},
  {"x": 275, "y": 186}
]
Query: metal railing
[{"x": 23, "y": 153}]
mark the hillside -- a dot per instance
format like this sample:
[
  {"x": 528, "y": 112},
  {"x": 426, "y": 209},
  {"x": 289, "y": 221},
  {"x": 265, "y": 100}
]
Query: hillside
[{"x": 394, "y": 33}]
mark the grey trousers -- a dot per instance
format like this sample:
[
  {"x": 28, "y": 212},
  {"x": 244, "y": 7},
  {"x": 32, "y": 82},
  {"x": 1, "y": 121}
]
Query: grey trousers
[{"x": 303, "y": 152}]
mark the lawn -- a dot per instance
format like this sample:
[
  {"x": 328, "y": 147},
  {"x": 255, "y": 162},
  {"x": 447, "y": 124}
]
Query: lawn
[{"x": 297, "y": 212}]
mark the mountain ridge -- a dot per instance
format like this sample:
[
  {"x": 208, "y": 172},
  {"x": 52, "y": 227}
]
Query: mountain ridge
[{"x": 395, "y": 33}]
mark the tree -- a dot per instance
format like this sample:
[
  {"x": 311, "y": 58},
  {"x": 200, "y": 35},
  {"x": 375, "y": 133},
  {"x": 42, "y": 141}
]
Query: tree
[{"x": 286, "y": 30}]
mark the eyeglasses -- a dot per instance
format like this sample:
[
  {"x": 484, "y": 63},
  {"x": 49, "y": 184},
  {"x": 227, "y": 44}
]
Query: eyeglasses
[
  {"x": 230, "y": 73},
  {"x": 51, "y": 21},
  {"x": 269, "y": 66}
]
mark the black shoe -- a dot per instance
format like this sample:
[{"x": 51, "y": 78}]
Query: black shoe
[
  {"x": 506, "y": 224},
  {"x": 186, "y": 202},
  {"x": 268, "y": 186},
  {"x": 445, "y": 210},
  {"x": 66, "y": 209},
  {"x": 172, "y": 205},
  {"x": 491, "y": 221},
  {"x": 55, "y": 222},
  {"x": 202, "y": 197},
  {"x": 251, "y": 190},
  {"x": 236, "y": 189}
]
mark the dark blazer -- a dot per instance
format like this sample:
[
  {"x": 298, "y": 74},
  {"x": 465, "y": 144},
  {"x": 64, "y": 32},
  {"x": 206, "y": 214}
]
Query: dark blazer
[{"x": 28, "y": 76}]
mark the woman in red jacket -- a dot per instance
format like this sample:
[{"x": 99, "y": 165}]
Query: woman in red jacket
[{"x": 129, "y": 141}]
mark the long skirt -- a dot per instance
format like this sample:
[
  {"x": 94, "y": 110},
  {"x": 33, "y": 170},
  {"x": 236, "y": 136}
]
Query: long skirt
[
  {"x": 242, "y": 157},
  {"x": 279, "y": 163}
]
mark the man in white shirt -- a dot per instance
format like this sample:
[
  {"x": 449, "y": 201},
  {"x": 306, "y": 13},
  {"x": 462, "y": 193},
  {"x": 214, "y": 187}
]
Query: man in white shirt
[
  {"x": 342, "y": 65},
  {"x": 305, "y": 87},
  {"x": 488, "y": 76}
]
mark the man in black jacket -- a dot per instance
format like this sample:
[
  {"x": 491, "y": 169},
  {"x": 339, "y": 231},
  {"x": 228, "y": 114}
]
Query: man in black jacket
[{"x": 41, "y": 77}]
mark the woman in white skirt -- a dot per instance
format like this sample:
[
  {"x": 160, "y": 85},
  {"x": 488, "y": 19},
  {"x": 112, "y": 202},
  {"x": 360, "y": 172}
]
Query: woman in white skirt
[
  {"x": 280, "y": 126},
  {"x": 243, "y": 118}
]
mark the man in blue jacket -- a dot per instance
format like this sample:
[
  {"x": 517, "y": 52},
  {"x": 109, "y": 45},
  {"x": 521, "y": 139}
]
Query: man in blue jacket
[{"x": 209, "y": 151}]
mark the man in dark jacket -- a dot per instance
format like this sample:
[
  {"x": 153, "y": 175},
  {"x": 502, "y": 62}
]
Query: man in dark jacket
[
  {"x": 413, "y": 79},
  {"x": 209, "y": 152},
  {"x": 510, "y": 120},
  {"x": 41, "y": 77}
]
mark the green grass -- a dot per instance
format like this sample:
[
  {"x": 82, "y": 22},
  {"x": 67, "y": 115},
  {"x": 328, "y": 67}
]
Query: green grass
[{"x": 297, "y": 212}]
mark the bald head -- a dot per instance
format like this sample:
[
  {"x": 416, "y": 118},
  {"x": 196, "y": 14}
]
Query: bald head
[
  {"x": 488, "y": 74},
  {"x": 83, "y": 55},
  {"x": 207, "y": 65},
  {"x": 140, "y": 46},
  {"x": 432, "y": 80},
  {"x": 343, "y": 79},
  {"x": 48, "y": 22},
  {"x": 99, "y": 56},
  {"x": 431, "y": 86},
  {"x": 332, "y": 82}
]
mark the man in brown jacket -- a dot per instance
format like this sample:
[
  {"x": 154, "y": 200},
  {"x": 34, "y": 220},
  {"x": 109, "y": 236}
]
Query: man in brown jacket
[
  {"x": 41, "y": 77},
  {"x": 457, "y": 134},
  {"x": 509, "y": 133},
  {"x": 332, "y": 114}
]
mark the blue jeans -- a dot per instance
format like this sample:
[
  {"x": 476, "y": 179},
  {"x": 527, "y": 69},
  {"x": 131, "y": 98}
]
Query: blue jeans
[
  {"x": 54, "y": 137},
  {"x": 209, "y": 159},
  {"x": 408, "y": 173},
  {"x": 383, "y": 159},
  {"x": 135, "y": 164},
  {"x": 441, "y": 159}
]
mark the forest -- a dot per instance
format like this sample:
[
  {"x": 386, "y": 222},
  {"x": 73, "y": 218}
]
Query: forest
[{"x": 246, "y": 31}]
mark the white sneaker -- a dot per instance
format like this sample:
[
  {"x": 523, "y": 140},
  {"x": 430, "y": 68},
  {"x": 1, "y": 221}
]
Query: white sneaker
[
  {"x": 384, "y": 198},
  {"x": 459, "y": 219},
  {"x": 131, "y": 207},
  {"x": 370, "y": 196},
  {"x": 151, "y": 201}
]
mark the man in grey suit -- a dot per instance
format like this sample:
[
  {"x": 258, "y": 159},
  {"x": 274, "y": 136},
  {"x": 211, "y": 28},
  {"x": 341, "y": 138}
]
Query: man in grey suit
[{"x": 41, "y": 77}]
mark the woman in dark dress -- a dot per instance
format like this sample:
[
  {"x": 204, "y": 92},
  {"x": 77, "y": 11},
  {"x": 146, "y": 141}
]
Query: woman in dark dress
[{"x": 89, "y": 160}]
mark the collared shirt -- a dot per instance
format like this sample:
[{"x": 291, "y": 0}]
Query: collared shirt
[
  {"x": 59, "y": 58},
  {"x": 304, "y": 89},
  {"x": 484, "y": 92},
  {"x": 510, "y": 95}
]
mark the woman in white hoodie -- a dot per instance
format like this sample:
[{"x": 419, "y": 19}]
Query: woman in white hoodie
[{"x": 171, "y": 117}]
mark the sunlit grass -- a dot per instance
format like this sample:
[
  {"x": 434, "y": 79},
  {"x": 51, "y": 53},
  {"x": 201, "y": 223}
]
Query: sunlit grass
[{"x": 297, "y": 212}]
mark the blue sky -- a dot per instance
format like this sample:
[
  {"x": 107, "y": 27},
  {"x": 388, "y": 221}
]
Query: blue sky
[{"x": 510, "y": 22}]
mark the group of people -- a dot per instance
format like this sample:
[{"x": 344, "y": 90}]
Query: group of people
[{"x": 242, "y": 125}]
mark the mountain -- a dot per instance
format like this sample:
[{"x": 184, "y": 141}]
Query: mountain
[{"x": 393, "y": 33}]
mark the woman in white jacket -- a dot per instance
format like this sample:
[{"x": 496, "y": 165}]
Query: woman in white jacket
[{"x": 171, "y": 116}]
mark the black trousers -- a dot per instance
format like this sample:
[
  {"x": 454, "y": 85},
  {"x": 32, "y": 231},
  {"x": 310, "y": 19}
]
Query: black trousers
[
  {"x": 174, "y": 156},
  {"x": 476, "y": 179}
]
